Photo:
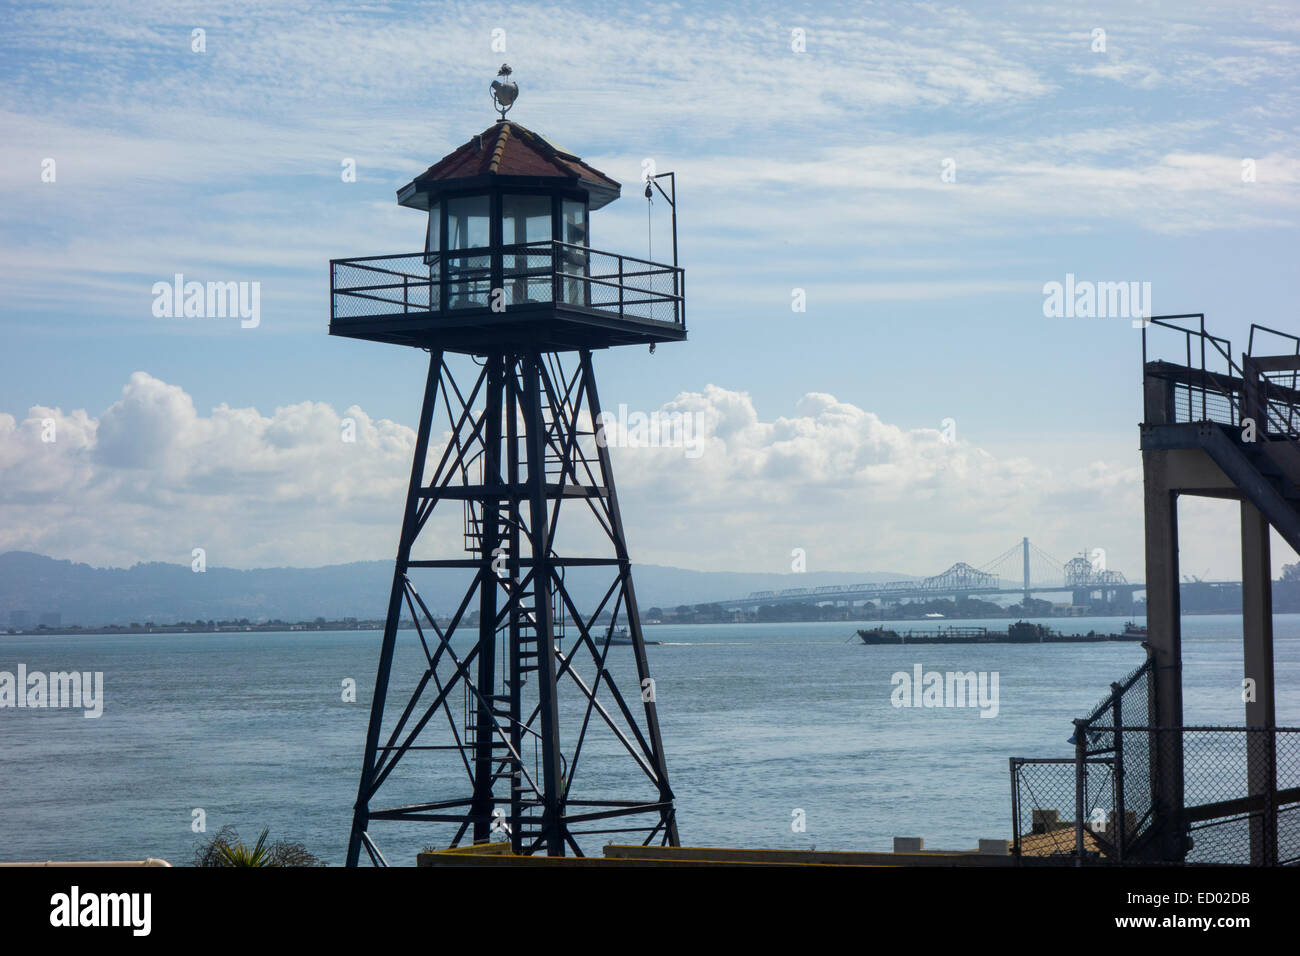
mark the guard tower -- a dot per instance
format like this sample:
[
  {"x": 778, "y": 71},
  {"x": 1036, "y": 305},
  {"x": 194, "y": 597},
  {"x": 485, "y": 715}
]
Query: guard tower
[{"x": 519, "y": 713}]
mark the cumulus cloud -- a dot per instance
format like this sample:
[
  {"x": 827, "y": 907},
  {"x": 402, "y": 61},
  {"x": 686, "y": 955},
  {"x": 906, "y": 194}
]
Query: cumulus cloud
[
  {"x": 853, "y": 491},
  {"x": 151, "y": 477}
]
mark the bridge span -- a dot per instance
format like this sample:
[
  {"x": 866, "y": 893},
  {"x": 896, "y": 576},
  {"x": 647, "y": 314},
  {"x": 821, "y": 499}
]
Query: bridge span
[{"x": 1082, "y": 576}]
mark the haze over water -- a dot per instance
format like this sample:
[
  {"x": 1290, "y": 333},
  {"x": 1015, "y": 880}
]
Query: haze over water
[{"x": 758, "y": 720}]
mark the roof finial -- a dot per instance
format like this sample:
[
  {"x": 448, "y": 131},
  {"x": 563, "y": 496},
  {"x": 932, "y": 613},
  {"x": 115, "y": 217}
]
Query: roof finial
[{"x": 504, "y": 92}]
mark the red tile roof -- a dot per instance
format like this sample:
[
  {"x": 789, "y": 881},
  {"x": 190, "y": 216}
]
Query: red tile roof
[{"x": 508, "y": 149}]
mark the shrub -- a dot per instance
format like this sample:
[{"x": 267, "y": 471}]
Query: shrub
[{"x": 224, "y": 849}]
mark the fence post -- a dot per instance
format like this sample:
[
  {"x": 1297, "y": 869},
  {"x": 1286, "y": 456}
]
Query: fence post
[
  {"x": 620, "y": 287},
  {"x": 1271, "y": 848},
  {"x": 1117, "y": 774},
  {"x": 1080, "y": 772},
  {"x": 1015, "y": 809},
  {"x": 556, "y": 285},
  {"x": 681, "y": 303},
  {"x": 676, "y": 291}
]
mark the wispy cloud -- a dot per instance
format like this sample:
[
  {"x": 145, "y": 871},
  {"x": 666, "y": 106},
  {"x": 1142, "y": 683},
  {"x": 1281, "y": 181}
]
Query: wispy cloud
[{"x": 818, "y": 169}]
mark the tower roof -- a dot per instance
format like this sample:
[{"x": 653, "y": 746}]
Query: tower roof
[{"x": 508, "y": 153}]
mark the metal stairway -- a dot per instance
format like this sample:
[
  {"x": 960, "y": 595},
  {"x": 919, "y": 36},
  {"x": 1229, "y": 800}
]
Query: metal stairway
[
  {"x": 1245, "y": 416},
  {"x": 502, "y": 701}
]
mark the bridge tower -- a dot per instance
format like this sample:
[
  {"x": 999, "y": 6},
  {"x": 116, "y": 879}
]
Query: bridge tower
[
  {"x": 515, "y": 712},
  {"x": 1024, "y": 546}
]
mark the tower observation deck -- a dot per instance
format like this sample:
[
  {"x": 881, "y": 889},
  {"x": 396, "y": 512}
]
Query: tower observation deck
[{"x": 507, "y": 257}]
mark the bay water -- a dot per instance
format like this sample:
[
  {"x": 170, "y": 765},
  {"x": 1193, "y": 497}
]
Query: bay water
[{"x": 763, "y": 724}]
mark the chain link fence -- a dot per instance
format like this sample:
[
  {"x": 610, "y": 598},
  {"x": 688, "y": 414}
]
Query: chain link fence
[
  {"x": 1240, "y": 785},
  {"x": 1044, "y": 805},
  {"x": 384, "y": 285},
  {"x": 1241, "y": 794},
  {"x": 1131, "y": 702}
]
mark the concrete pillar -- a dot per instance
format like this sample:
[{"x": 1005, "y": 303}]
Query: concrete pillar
[
  {"x": 1257, "y": 637},
  {"x": 1164, "y": 638},
  {"x": 1045, "y": 821}
]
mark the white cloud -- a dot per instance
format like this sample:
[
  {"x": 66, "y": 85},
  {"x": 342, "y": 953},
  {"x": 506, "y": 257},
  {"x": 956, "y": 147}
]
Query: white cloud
[
  {"x": 1131, "y": 74},
  {"x": 151, "y": 478},
  {"x": 855, "y": 492}
]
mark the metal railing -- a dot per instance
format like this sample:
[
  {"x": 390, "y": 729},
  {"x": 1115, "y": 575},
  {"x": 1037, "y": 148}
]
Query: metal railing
[
  {"x": 1277, "y": 388},
  {"x": 498, "y": 279},
  {"x": 1206, "y": 382},
  {"x": 1208, "y": 385}
]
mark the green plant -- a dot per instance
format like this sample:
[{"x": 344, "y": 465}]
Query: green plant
[
  {"x": 240, "y": 855},
  {"x": 224, "y": 849}
]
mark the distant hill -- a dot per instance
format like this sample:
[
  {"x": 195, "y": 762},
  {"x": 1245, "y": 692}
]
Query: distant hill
[{"x": 164, "y": 593}]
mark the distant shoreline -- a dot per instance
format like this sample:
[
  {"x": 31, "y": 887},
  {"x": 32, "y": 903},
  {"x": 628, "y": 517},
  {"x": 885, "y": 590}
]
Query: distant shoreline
[{"x": 379, "y": 626}]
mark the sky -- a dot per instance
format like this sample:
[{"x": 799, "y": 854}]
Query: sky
[{"x": 914, "y": 173}]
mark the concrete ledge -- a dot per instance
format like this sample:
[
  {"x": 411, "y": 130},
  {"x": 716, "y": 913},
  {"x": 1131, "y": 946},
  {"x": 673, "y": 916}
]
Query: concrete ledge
[
  {"x": 151, "y": 861},
  {"x": 497, "y": 854}
]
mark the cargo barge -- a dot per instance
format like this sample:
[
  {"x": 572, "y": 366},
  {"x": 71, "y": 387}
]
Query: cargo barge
[{"x": 1020, "y": 632}]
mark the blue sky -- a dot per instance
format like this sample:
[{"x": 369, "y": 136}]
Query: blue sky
[{"x": 818, "y": 170}]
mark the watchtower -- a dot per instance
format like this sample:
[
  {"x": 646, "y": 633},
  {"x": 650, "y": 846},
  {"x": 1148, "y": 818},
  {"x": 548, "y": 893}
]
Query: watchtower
[{"x": 543, "y": 700}]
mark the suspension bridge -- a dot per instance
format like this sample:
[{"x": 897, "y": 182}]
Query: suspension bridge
[{"x": 1023, "y": 569}]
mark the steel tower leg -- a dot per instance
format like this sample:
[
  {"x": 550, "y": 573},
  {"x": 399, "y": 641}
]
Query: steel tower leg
[
  {"x": 361, "y": 810},
  {"x": 484, "y": 736},
  {"x": 539, "y": 533},
  {"x": 668, "y": 816}
]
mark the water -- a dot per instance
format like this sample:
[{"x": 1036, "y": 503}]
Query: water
[{"x": 758, "y": 721}]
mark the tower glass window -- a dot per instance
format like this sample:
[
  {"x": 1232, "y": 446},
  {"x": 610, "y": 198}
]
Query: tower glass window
[
  {"x": 433, "y": 255},
  {"x": 433, "y": 236},
  {"x": 576, "y": 263},
  {"x": 469, "y": 262},
  {"x": 526, "y": 222}
]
